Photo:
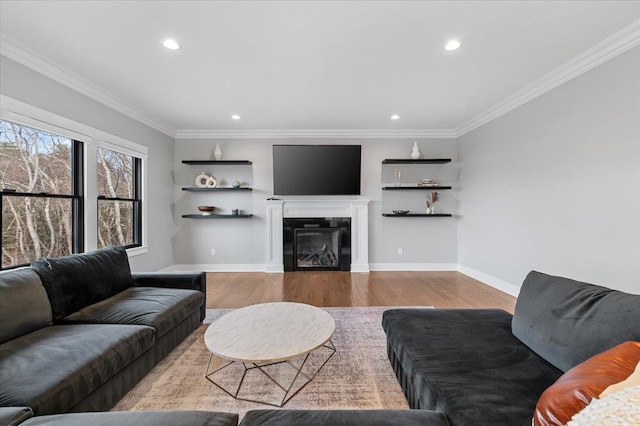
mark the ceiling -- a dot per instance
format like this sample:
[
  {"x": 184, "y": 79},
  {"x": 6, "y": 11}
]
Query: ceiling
[{"x": 314, "y": 66}]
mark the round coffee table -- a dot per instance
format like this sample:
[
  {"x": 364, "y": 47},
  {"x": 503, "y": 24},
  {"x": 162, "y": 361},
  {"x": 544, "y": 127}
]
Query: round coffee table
[{"x": 267, "y": 334}]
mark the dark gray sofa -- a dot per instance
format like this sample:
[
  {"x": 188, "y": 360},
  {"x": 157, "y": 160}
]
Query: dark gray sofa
[
  {"x": 344, "y": 418},
  {"x": 78, "y": 332},
  {"x": 485, "y": 366},
  {"x": 23, "y": 416}
]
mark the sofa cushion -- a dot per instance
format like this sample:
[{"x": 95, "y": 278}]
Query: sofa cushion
[
  {"x": 576, "y": 388},
  {"x": 467, "y": 364},
  {"x": 54, "y": 368},
  {"x": 344, "y": 418},
  {"x": 566, "y": 321},
  {"x": 160, "y": 308},
  {"x": 138, "y": 418},
  {"x": 73, "y": 282},
  {"x": 24, "y": 306},
  {"x": 13, "y": 416}
]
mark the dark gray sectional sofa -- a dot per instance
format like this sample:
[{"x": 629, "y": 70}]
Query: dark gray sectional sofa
[
  {"x": 487, "y": 367},
  {"x": 78, "y": 332}
]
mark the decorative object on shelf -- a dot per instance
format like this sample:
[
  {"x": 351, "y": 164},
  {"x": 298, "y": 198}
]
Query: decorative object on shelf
[
  {"x": 235, "y": 212},
  {"x": 236, "y": 184},
  {"x": 217, "y": 152},
  {"x": 429, "y": 183},
  {"x": 401, "y": 212},
  {"x": 397, "y": 173},
  {"x": 201, "y": 180},
  {"x": 212, "y": 182},
  {"x": 415, "y": 151},
  {"x": 206, "y": 210},
  {"x": 431, "y": 201}
]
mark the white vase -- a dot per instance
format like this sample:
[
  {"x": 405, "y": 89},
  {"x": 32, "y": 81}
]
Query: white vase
[
  {"x": 415, "y": 151},
  {"x": 201, "y": 180},
  {"x": 217, "y": 153}
]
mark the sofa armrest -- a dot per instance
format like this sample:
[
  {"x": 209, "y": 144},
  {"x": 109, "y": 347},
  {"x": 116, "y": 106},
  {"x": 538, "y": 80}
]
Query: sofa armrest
[
  {"x": 12, "y": 416},
  {"x": 193, "y": 280}
]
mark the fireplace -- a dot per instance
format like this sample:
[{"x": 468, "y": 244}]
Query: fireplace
[
  {"x": 356, "y": 210},
  {"x": 314, "y": 244}
]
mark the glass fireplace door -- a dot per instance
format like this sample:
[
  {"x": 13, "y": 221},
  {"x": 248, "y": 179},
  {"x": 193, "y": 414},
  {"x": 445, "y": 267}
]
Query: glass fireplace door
[{"x": 317, "y": 248}]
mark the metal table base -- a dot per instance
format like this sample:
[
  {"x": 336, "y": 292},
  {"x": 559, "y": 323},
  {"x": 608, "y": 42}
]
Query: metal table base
[{"x": 252, "y": 366}]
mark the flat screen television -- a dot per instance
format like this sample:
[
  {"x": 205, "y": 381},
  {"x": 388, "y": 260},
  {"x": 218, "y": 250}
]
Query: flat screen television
[{"x": 316, "y": 169}]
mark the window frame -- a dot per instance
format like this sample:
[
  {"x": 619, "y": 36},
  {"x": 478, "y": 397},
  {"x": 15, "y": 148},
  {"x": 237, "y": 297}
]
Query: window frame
[
  {"x": 76, "y": 196},
  {"x": 136, "y": 201}
]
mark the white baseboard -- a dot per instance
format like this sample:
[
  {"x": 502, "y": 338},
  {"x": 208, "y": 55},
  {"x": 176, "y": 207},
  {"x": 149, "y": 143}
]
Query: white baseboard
[
  {"x": 274, "y": 269},
  {"x": 414, "y": 266},
  {"x": 489, "y": 280},
  {"x": 215, "y": 267},
  {"x": 360, "y": 267}
]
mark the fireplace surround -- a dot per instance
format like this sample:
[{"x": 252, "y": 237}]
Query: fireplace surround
[{"x": 357, "y": 210}]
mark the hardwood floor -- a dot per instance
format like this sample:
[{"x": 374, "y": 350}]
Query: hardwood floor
[{"x": 440, "y": 289}]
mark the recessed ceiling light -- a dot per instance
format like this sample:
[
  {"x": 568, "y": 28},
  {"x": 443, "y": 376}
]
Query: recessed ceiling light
[
  {"x": 452, "y": 45},
  {"x": 395, "y": 117},
  {"x": 171, "y": 44},
  {"x": 235, "y": 117}
]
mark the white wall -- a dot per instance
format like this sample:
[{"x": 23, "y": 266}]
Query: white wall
[
  {"x": 23, "y": 84},
  {"x": 241, "y": 243},
  {"x": 555, "y": 185}
]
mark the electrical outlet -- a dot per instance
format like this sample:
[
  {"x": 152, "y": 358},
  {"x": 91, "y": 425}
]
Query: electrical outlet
[
  {"x": 213, "y": 252},
  {"x": 400, "y": 251}
]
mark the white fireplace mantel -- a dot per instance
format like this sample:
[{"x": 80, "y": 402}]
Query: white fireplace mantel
[{"x": 357, "y": 210}]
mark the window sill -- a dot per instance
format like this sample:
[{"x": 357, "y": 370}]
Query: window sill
[{"x": 136, "y": 251}]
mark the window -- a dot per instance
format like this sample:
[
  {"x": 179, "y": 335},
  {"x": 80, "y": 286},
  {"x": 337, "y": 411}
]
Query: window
[
  {"x": 41, "y": 203},
  {"x": 49, "y": 166},
  {"x": 119, "y": 199}
]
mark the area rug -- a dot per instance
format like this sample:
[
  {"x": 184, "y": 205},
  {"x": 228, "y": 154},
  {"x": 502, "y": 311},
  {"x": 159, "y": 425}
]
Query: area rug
[{"x": 358, "y": 376}]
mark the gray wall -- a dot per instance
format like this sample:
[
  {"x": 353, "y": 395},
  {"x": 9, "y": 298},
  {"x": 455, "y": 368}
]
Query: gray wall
[
  {"x": 26, "y": 85},
  {"x": 555, "y": 185},
  {"x": 243, "y": 241}
]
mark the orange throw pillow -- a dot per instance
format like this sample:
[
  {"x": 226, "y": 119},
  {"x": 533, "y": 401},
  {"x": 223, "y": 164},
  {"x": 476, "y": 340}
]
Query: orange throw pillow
[{"x": 575, "y": 389}]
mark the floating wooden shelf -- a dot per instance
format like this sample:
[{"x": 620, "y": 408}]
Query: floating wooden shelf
[
  {"x": 216, "y": 216},
  {"x": 416, "y": 215},
  {"x": 402, "y": 188},
  {"x": 219, "y": 163},
  {"x": 225, "y": 188},
  {"x": 424, "y": 161}
]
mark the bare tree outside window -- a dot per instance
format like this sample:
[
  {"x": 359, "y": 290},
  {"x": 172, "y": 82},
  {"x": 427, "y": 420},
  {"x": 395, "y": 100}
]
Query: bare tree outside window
[{"x": 38, "y": 194}]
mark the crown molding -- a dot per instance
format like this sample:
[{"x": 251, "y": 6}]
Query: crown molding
[
  {"x": 607, "y": 49},
  {"x": 316, "y": 134},
  {"x": 16, "y": 51},
  {"x": 618, "y": 43}
]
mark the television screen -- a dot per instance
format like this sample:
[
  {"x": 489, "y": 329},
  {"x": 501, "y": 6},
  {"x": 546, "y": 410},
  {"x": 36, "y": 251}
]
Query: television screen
[{"x": 316, "y": 169}]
